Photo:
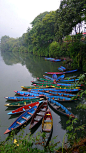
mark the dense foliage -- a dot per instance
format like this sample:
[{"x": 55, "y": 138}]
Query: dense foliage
[{"x": 50, "y": 34}]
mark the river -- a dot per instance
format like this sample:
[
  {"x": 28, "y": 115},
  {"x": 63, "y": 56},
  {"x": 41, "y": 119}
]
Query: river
[{"x": 18, "y": 70}]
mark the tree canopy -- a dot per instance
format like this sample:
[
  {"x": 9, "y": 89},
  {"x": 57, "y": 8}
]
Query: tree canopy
[{"x": 48, "y": 32}]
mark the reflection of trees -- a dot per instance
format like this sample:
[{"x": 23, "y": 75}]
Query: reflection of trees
[
  {"x": 63, "y": 120},
  {"x": 36, "y": 65},
  {"x": 11, "y": 58}
]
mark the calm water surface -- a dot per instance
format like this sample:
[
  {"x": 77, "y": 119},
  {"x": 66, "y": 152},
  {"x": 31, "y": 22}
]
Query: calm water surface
[{"x": 17, "y": 70}]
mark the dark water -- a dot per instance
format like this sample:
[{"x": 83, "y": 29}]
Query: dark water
[{"x": 17, "y": 70}]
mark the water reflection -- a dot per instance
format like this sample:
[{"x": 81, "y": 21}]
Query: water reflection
[{"x": 36, "y": 65}]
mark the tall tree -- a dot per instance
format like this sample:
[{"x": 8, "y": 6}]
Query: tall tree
[{"x": 69, "y": 14}]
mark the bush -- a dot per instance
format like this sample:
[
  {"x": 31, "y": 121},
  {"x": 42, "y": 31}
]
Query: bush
[{"x": 54, "y": 49}]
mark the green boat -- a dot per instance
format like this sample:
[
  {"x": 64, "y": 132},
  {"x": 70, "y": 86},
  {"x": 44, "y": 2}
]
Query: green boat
[
  {"x": 43, "y": 79},
  {"x": 23, "y": 102},
  {"x": 31, "y": 87},
  {"x": 56, "y": 86}
]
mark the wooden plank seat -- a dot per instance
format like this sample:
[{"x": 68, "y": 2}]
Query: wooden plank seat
[
  {"x": 46, "y": 130},
  {"x": 37, "y": 118},
  {"x": 63, "y": 110},
  {"x": 43, "y": 109},
  {"x": 24, "y": 118},
  {"x": 35, "y": 122},
  {"x": 57, "y": 107},
  {"x": 40, "y": 113},
  {"x": 29, "y": 113},
  {"x": 34, "y": 108},
  {"x": 47, "y": 120},
  {"x": 18, "y": 122}
]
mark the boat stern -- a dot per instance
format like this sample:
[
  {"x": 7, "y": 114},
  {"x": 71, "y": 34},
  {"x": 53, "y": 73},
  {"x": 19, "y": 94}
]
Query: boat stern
[{"x": 7, "y": 131}]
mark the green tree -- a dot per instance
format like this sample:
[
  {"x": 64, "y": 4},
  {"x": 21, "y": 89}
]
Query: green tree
[
  {"x": 54, "y": 49},
  {"x": 70, "y": 13}
]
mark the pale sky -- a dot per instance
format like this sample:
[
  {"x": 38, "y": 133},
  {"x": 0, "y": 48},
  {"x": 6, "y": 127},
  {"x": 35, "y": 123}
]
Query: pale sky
[{"x": 16, "y": 15}]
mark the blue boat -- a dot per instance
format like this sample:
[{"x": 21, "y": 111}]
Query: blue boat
[
  {"x": 57, "y": 90},
  {"x": 60, "y": 77},
  {"x": 48, "y": 78},
  {"x": 59, "y": 108},
  {"x": 17, "y": 98},
  {"x": 55, "y": 60},
  {"x": 62, "y": 72},
  {"x": 62, "y": 94},
  {"x": 49, "y": 58},
  {"x": 22, "y": 119},
  {"x": 59, "y": 97},
  {"x": 69, "y": 80},
  {"x": 25, "y": 93},
  {"x": 61, "y": 68},
  {"x": 55, "y": 93},
  {"x": 68, "y": 84}
]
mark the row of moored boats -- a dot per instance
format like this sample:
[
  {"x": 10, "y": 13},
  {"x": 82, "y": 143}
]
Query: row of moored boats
[{"x": 32, "y": 102}]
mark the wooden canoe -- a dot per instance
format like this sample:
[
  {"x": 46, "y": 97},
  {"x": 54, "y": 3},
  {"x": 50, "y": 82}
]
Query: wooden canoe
[
  {"x": 23, "y": 103},
  {"x": 59, "y": 108},
  {"x": 56, "y": 90},
  {"x": 69, "y": 80},
  {"x": 42, "y": 94},
  {"x": 51, "y": 79},
  {"x": 47, "y": 126},
  {"x": 38, "y": 115},
  {"x": 58, "y": 84},
  {"x": 55, "y": 60},
  {"x": 61, "y": 72},
  {"x": 20, "y": 98},
  {"x": 43, "y": 79},
  {"x": 27, "y": 93},
  {"x": 59, "y": 96},
  {"x": 61, "y": 69},
  {"x": 49, "y": 58},
  {"x": 22, "y": 119},
  {"x": 48, "y": 77},
  {"x": 31, "y": 87},
  {"x": 48, "y": 85},
  {"x": 56, "y": 93},
  {"x": 23, "y": 108}
]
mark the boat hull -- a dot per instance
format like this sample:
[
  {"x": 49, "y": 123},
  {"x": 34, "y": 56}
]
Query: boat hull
[
  {"x": 47, "y": 126},
  {"x": 23, "y": 103},
  {"x": 22, "y": 119},
  {"x": 23, "y": 108},
  {"x": 38, "y": 115},
  {"x": 59, "y": 108},
  {"x": 61, "y": 72}
]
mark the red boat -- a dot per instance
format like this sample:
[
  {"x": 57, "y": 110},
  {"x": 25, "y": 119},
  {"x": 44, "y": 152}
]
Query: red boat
[{"x": 23, "y": 108}]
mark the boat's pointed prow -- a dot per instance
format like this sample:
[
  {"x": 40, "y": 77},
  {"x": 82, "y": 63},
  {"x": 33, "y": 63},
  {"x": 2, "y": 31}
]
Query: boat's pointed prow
[
  {"x": 10, "y": 113},
  {"x": 15, "y": 91},
  {"x": 40, "y": 101},
  {"x": 22, "y": 86},
  {"x": 7, "y": 131},
  {"x": 5, "y": 97}
]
